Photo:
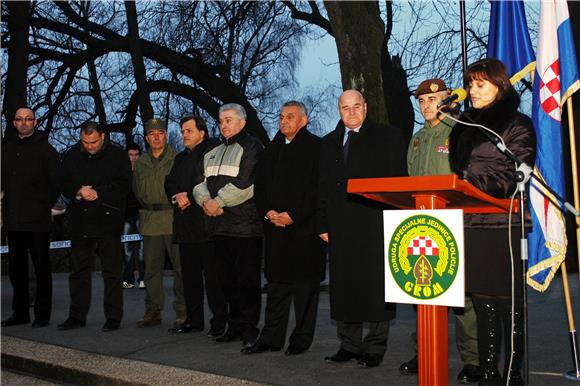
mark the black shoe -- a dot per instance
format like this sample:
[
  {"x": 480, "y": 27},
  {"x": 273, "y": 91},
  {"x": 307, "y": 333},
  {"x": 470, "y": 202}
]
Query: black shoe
[
  {"x": 291, "y": 350},
  {"x": 370, "y": 360},
  {"x": 70, "y": 323},
  {"x": 215, "y": 332},
  {"x": 39, "y": 323},
  {"x": 258, "y": 347},
  {"x": 185, "y": 328},
  {"x": 411, "y": 367},
  {"x": 229, "y": 336},
  {"x": 15, "y": 320},
  {"x": 111, "y": 325},
  {"x": 342, "y": 356},
  {"x": 470, "y": 374}
]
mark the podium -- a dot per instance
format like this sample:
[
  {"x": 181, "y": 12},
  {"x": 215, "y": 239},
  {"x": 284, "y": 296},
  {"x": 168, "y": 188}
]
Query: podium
[{"x": 430, "y": 192}]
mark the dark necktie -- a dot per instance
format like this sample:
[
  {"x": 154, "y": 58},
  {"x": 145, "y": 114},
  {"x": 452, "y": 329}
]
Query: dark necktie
[{"x": 346, "y": 146}]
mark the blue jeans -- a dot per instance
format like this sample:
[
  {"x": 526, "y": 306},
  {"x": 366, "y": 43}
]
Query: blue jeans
[{"x": 133, "y": 252}]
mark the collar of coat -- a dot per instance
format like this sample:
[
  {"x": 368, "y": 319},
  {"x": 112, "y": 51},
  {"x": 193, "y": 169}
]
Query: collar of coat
[
  {"x": 499, "y": 114},
  {"x": 279, "y": 139},
  {"x": 36, "y": 136},
  {"x": 340, "y": 130},
  {"x": 235, "y": 138}
]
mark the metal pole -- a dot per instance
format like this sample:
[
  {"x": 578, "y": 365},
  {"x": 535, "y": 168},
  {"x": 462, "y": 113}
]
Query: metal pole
[{"x": 463, "y": 44}]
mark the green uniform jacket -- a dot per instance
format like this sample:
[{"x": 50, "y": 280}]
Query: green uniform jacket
[
  {"x": 428, "y": 152},
  {"x": 156, "y": 216}
]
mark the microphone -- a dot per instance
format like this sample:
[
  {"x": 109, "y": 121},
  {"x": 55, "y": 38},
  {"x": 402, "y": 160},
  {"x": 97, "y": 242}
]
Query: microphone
[{"x": 457, "y": 95}]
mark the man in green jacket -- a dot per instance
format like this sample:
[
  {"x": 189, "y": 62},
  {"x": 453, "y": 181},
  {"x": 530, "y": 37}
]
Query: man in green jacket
[
  {"x": 428, "y": 154},
  {"x": 156, "y": 224}
]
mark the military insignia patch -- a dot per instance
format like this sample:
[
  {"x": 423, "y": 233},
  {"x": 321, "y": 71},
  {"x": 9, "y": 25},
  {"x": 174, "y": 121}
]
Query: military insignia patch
[
  {"x": 416, "y": 143},
  {"x": 423, "y": 257},
  {"x": 434, "y": 87}
]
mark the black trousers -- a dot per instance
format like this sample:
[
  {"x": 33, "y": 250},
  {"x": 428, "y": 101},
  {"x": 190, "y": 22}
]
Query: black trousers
[
  {"x": 198, "y": 261},
  {"x": 20, "y": 244},
  {"x": 375, "y": 342},
  {"x": 239, "y": 259},
  {"x": 80, "y": 279},
  {"x": 305, "y": 298}
]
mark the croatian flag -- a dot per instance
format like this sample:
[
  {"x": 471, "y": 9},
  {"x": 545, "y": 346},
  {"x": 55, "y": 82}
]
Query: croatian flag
[{"x": 556, "y": 78}]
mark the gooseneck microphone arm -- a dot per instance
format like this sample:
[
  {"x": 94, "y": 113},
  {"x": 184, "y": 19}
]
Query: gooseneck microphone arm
[{"x": 524, "y": 171}]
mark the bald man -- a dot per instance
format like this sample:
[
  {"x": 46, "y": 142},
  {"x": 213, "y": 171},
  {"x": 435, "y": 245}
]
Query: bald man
[
  {"x": 30, "y": 188},
  {"x": 353, "y": 228}
]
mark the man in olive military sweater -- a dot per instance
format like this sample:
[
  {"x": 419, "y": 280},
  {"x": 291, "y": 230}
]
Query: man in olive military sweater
[
  {"x": 428, "y": 154},
  {"x": 156, "y": 224}
]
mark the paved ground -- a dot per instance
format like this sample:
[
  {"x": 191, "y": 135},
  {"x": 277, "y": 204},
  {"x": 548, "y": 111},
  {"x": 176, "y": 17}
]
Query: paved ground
[
  {"x": 548, "y": 336},
  {"x": 15, "y": 379}
]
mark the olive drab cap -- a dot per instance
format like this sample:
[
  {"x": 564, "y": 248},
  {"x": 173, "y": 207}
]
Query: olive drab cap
[
  {"x": 154, "y": 124},
  {"x": 430, "y": 86}
]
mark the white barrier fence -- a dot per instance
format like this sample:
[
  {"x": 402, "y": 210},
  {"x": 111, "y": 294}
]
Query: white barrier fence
[{"x": 66, "y": 243}]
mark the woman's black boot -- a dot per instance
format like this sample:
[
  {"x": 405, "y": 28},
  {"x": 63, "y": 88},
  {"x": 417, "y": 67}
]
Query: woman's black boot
[
  {"x": 515, "y": 375},
  {"x": 489, "y": 339}
]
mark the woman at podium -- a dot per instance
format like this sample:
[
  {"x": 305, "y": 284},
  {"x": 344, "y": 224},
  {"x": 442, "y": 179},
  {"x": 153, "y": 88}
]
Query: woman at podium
[{"x": 489, "y": 268}]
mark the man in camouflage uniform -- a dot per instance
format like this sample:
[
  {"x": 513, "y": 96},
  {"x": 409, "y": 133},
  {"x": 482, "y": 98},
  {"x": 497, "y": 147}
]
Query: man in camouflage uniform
[{"x": 428, "y": 154}]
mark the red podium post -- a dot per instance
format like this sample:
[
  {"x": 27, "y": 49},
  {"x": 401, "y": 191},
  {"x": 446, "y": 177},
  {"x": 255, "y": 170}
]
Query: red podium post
[{"x": 430, "y": 192}]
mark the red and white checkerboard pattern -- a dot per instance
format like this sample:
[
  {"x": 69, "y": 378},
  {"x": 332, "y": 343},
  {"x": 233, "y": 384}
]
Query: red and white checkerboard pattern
[
  {"x": 423, "y": 245},
  {"x": 550, "y": 91}
]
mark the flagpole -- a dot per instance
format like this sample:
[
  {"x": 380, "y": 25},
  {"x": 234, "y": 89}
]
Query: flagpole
[
  {"x": 463, "y": 23},
  {"x": 574, "y": 171},
  {"x": 573, "y": 374}
]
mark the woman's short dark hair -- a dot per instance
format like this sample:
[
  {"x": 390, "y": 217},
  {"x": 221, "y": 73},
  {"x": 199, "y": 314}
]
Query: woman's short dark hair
[
  {"x": 199, "y": 123},
  {"x": 492, "y": 70}
]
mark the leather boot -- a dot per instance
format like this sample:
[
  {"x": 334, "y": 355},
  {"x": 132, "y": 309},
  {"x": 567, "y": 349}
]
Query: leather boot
[
  {"x": 515, "y": 375},
  {"x": 489, "y": 338},
  {"x": 180, "y": 318},
  {"x": 152, "y": 318}
]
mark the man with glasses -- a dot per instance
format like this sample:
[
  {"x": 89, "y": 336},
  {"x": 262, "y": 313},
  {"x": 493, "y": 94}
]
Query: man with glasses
[{"x": 29, "y": 189}]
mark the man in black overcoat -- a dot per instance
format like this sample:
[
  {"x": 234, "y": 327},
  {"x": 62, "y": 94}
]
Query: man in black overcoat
[
  {"x": 353, "y": 228},
  {"x": 285, "y": 191},
  {"x": 96, "y": 178},
  {"x": 29, "y": 189},
  {"x": 196, "y": 250}
]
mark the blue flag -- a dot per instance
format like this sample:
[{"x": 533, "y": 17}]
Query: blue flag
[
  {"x": 509, "y": 39},
  {"x": 556, "y": 78}
]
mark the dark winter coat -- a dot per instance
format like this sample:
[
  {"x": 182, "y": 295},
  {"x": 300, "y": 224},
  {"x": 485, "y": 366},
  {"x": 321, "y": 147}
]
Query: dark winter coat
[
  {"x": 488, "y": 267},
  {"x": 355, "y": 224},
  {"x": 187, "y": 171},
  {"x": 109, "y": 172},
  {"x": 29, "y": 182},
  {"x": 287, "y": 181},
  {"x": 474, "y": 158}
]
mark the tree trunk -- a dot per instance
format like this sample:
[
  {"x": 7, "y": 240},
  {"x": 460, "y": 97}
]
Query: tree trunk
[
  {"x": 16, "y": 75},
  {"x": 359, "y": 33},
  {"x": 145, "y": 106}
]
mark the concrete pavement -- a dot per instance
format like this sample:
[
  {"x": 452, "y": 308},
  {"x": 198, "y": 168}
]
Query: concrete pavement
[{"x": 153, "y": 356}]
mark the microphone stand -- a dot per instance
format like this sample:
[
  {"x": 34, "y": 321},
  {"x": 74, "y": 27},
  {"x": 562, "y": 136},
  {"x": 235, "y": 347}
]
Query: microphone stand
[{"x": 522, "y": 175}]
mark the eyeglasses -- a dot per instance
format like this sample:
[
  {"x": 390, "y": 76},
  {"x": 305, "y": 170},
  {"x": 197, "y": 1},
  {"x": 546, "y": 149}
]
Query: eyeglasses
[{"x": 23, "y": 119}]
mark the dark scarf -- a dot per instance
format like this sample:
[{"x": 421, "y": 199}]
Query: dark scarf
[{"x": 497, "y": 117}]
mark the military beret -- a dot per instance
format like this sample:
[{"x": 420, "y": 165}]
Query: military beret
[
  {"x": 430, "y": 86},
  {"x": 154, "y": 124}
]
